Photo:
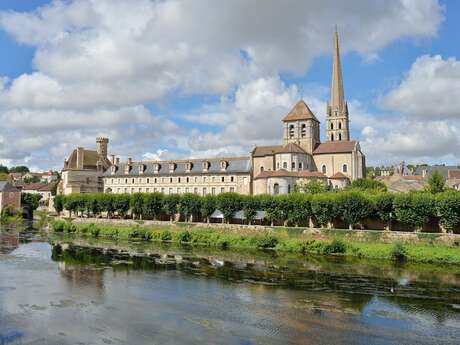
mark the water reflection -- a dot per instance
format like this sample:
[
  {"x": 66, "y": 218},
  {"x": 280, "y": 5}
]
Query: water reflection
[{"x": 94, "y": 292}]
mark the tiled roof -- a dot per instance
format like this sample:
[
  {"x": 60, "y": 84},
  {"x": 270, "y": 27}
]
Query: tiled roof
[
  {"x": 90, "y": 159},
  {"x": 285, "y": 173},
  {"x": 291, "y": 148},
  {"x": 39, "y": 187},
  {"x": 301, "y": 111},
  {"x": 235, "y": 165},
  {"x": 260, "y": 151},
  {"x": 335, "y": 147},
  {"x": 453, "y": 174},
  {"x": 338, "y": 176},
  {"x": 442, "y": 169}
]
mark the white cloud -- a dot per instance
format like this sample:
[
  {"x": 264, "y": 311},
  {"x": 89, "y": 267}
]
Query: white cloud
[
  {"x": 430, "y": 89},
  {"x": 98, "y": 62}
]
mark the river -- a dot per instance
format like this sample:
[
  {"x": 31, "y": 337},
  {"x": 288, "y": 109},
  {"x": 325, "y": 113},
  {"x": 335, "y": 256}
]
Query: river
[{"x": 100, "y": 292}]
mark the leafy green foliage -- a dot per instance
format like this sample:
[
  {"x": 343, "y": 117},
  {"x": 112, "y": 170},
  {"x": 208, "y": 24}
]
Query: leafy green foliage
[
  {"x": 367, "y": 184},
  {"x": 189, "y": 205},
  {"x": 414, "y": 209},
  {"x": 229, "y": 204},
  {"x": 335, "y": 247},
  {"x": 208, "y": 206},
  {"x": 30, "y": 200},
  {"x": 436, "y": 183},
  {"x": 448, "y": 209},
  {"x": 314, "y": 186},
  {"x": 352, "y": 207}
]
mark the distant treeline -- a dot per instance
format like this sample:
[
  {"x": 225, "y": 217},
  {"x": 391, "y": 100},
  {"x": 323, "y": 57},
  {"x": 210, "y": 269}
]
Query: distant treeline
[{"x": 349, "y": 208}]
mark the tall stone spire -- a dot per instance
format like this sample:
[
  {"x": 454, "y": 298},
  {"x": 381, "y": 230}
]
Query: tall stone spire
[
  {"x": 337, "y": 95},
  {"x": 337, "y": 123}
]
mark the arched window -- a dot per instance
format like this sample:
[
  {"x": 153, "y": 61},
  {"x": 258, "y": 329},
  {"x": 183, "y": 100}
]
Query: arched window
[
  {"x": 344, "y": 168},
  {"x": 291, "y": 131},
  {"x": 300, "y": 165},
  {"x": 340, "y": 125},
  {"x": 293, "y": 165},
  {"x": 340, "y": 136},
  {"x": 332, "y": 125},
  {"x": 261, "y": 169},
  {"x": 276, "y": 189},
  {"x": 332, "y": 137},
  {"x": 323, "y": 169},
  {"x": 285, "y": 165},
  {"x": 304, "y": 130}
]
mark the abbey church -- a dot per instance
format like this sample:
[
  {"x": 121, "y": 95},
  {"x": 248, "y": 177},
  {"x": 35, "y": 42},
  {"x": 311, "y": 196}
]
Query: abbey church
[{"x": 267, "y": 170}]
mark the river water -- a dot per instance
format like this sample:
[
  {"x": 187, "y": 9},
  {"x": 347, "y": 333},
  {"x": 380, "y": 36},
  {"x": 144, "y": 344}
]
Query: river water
[{"x": 121, "y": 293}]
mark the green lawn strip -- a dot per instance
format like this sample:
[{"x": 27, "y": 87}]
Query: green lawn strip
[{"x": 282, "y": 239}]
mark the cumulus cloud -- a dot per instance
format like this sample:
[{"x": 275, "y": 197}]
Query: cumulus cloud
[{"x": 98, "y": 62}]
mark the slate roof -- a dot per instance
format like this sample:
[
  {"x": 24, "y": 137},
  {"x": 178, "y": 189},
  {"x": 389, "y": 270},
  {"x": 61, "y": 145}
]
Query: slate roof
[
  {"x": 442, "y": 169},
  {"x": 301, "y": 111},
  {"x": 39, "y": 187},
  {"x": 336, "y": 147},
  {"x": 235, "y": 165},
  {"x": 7, "y": 187}
]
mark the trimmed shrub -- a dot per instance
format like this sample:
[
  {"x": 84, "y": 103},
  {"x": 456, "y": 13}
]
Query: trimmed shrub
[
  {"x": 352, "y": 207},
  {"x": 166, "y": 235},
  {"x": 185, "y": 237},
  {"x": 415, "y": 208},
  {"x": 323, "y": 207},
  {"x": 170, "y": 205},
  {"x": 58, "y": 225},
  {"x": 189, "y": 205},
  {"x": 208, "y": 206},
  {"x": 335, "y": 247},
  {"x": 229, "y": 204},
  {"x": 448, "y": 209},
  {"x": 267, "y": 242}
]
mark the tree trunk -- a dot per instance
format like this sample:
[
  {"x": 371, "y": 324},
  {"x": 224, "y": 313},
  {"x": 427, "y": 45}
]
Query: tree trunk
[
  {"x": 311, "y": 224},
  {"x": 350, "y": 226}
]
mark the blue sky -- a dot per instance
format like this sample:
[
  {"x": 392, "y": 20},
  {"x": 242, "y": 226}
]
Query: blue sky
[{"x": 164, "y": 81}]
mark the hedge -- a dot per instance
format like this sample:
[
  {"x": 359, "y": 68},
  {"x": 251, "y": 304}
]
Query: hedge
[{"x": 352, "y": 207}]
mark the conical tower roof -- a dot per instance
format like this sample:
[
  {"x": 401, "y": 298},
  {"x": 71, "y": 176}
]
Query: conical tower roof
[
  {"x": 337, "y": 101},
  {"x": 301, "y": 111}
]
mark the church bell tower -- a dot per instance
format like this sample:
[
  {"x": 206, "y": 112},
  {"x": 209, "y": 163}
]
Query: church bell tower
[{"x": 337, "y": 122}]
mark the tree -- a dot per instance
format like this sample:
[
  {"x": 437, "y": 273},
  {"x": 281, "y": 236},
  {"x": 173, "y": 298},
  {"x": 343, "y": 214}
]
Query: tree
[
  {"x": 136, "y": 205},
  {"x": 323, "y": 208},
  {"x": 30, "y": 200},
  {"x": 208, "y": 206},
  {"x": 383, "y": 207},
  {"x": 33, "y": 179},
  {"x": 171, "y": 204},
  {"x": 314, "y": 186},
  {"x": 189, "y": 206},
  {"x": 448, "y": 209},
  {"x": 250, "y": 206},
  {"x": 4, "y": 176},
  {"x": 436, "y": 183},
  {"x": 352, "y": 207},
  {"x": 4, "y": 169},
  {"x": 366, "y": 184},
  {"x": 414, "y": 208},
  {"x": 58, "y": 203},
  {"x": 299, "y": 211},
  {"x": 270, "y": 204},
  {"x": 229, "y": 204},
  {"x": 152, "y": 205},
  {"x": 19, "y": 169},
  {"x": 121, "y": 203}
]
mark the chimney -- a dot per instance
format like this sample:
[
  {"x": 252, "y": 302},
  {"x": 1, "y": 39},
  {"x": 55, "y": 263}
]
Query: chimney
[
  {"x": 112, "y": 159},
  {"x": 130, "y": 160},
  {"x": 101, "y": 146},
  {"x": 117, "y": 161},
  {"x": 80, "y": 152}
]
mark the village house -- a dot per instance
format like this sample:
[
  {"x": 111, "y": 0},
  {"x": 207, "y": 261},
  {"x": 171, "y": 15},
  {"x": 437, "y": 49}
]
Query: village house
[{"x": 10, "y": 196}]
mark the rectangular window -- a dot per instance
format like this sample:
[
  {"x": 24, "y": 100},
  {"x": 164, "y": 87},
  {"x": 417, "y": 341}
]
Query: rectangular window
[
  {"x": 222, "y": 189},
  {"x": 195, "y": 190},
  {"x": 170, "y": 190},
  {"x": 232, "y": 178},
  {"x": 178, "y": 190},
  {"x": 223, "y": 179},
  {"x": 204, "y": 191},
  {"x": 232, "y": 189},
  {"x": 213, "y": 191}
]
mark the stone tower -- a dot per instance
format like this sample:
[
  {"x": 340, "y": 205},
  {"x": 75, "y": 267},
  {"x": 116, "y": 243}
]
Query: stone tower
[
  {"x": 301, "y": 127},
  {"x": 101, "y": 146},
  {"x": 337, "y": 123}
]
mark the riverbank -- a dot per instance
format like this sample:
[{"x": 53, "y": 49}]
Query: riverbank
[{"x": 427, "y": 248}]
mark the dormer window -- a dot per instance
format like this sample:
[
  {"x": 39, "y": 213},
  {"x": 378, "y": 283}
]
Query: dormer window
[
  {"x": 127, "y": 168},
  {"x": 113, "y": 169},
  {"x": 223, "y": 165},
  {"x": 206, "y": 166},
  {"x": 172, "y": 167},
  {"x": 156, "y": 168},
  {"x": 188, "y": 166},
  {"x": 141, "y": 168}
]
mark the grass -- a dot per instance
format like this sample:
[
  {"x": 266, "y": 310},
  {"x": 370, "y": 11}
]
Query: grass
[{"x": 328, "y": 242}]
